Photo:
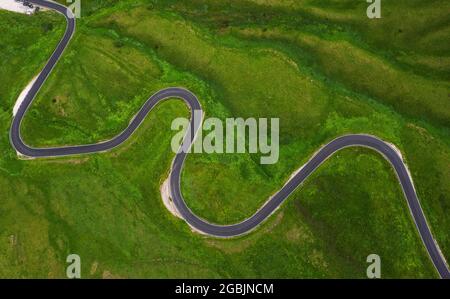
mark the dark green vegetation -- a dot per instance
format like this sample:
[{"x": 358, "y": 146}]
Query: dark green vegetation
[{"x": 323, "y": 69}]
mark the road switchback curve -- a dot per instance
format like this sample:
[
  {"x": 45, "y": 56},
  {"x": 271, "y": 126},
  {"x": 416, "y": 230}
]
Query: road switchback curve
[{"x": 192, "y": 102}]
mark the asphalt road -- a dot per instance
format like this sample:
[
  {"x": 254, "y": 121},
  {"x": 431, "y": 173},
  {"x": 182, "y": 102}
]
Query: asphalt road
[{"x": 175, "y": 176}]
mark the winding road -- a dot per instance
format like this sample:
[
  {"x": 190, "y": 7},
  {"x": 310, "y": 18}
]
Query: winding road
[{"x": 191, "y": 100}]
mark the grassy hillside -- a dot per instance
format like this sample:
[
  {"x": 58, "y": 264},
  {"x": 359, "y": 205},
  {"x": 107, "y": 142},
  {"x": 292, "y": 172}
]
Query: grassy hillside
[{"x": 324, "y": 69}]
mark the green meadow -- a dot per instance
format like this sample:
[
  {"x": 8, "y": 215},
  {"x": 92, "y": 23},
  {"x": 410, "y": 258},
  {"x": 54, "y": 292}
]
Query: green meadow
[{"x": 323, "y": 68}]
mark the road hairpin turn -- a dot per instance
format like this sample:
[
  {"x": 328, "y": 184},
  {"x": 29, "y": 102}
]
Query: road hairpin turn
[{"x": 175, "y": 175}]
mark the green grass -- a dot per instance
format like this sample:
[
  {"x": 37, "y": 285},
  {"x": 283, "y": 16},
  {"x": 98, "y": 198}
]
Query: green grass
[
  {"x": 368, "y": 73},
  {"x": 247, "y": 60},
  {"x": 25, "y": 44},
  {"x": 110, "y": 104}
]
